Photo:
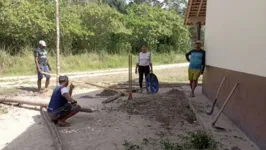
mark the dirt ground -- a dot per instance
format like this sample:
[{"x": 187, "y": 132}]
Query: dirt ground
[{"x": 142, "y": 123}]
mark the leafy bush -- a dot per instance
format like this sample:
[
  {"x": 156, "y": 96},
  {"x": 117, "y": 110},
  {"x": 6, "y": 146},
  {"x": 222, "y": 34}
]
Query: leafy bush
[{"x": 90, "y": 27}]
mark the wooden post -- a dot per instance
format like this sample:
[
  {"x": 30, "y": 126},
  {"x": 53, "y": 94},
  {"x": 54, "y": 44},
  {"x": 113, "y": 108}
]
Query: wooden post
[
  {"x": 198, "y": 29},
  {"x": 57, "y": 41},
  {"x": 130, "y": 76}
]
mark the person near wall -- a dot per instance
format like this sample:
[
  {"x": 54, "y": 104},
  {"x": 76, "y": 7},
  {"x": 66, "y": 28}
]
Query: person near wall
[
  {"x": 42, "y": 64},
  {"x": 196, "y": 59},
  {"x": 144, "y": 64}
]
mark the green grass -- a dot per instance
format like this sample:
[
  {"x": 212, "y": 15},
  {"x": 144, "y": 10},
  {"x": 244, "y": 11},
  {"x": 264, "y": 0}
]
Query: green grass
[
  {"x": 24, "y": 64},
  {"x": 3, "y": 111},
  {"x": 198, "y": 140}
]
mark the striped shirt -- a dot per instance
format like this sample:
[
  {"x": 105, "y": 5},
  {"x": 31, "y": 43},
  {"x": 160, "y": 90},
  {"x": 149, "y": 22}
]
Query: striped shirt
[{"x": 144, "y": 59}]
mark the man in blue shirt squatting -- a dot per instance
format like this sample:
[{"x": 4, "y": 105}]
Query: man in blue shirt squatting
[
  {"x": 62, "y": 106},
  {"x": 196, "y": 65}
]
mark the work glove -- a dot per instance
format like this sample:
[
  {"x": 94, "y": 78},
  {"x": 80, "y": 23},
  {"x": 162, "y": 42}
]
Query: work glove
[{"x": 73, "y": 102}]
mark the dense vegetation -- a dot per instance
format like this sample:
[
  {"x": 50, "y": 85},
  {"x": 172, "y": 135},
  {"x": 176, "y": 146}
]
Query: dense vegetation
[{"x": 92, "y": 26}]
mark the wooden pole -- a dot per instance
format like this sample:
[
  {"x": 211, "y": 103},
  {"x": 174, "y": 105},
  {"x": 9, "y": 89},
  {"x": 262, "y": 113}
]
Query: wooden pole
[
  {"x": 34, "y": 102},
  {"x": 130, "y": 76},
  {"x": 57, "y": 40},
  {"x": 226, "y": 101},
  {"x": 216, "y": 97},
  {"x": 198, "y": 29}
]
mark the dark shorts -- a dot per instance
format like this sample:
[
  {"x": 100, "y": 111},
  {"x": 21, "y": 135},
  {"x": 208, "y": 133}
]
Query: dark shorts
[
  {"x": 44, "y": 69},
  {"x": 63, "y": 111}
]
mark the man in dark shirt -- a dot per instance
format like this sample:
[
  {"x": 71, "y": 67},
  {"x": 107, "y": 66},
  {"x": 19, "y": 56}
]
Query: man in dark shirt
[
  {"x": 61, "y": 105},
  {"x": 196, "y": 65},
  {"x": 42, "y": 64}
]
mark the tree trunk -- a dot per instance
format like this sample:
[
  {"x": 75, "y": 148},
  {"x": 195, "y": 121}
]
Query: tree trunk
[{"x": 57, "y": 40}]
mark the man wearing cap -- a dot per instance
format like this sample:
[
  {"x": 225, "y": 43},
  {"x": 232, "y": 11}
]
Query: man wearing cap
[
  {"x": 196, "y": 59},
  {"x": 61, "y": 105},
  {"x": 42, "y": 64}
]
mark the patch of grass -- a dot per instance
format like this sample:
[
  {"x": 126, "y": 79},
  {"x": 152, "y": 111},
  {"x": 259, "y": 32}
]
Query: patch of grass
[
  {"x": 197, "y": 140},
  {"x": 129, "y": 146},
  {"x": 3, "y": 111},
  {"x": 202, "y": 140},
  {"x": 24, "y": 64},
  {"x": 171, "y": 146}
]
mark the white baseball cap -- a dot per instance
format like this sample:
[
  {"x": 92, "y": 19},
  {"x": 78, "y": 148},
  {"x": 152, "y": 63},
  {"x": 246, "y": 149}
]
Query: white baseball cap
[{"x": 42, "y": 42}]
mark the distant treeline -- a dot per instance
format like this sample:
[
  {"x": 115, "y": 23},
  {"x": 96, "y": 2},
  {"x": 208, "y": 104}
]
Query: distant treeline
[{"x": 91, "y": 27}]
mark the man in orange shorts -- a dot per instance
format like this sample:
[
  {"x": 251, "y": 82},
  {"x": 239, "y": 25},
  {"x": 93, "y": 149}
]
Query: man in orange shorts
[{"x": 196, "y": 59}]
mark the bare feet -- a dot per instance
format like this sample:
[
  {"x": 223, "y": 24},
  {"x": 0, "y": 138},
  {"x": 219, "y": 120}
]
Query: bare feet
[{"x": 63, "y": 124}]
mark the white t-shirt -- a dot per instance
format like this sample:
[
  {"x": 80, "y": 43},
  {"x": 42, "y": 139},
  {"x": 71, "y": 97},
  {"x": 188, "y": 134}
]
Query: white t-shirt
[
  {"x": 144, "y": 59},
  {"x": 64, "y": 90}
]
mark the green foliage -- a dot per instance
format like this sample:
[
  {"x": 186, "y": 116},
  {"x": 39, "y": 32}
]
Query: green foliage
[
  {"x": 197, "y": 140},
  {"x": 24, "y": 64},
  {"x": 3, "y": 111},
  {"x": 157, "y": 27},
  {"x": 129, "y": 146},
  {"x": 91, "y": 26},
  {"x": 201, "y": 140},
  {"x": 171, "y": 146}
]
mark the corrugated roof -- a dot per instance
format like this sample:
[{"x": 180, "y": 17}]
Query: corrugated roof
[{"x": 196, "y": 12}]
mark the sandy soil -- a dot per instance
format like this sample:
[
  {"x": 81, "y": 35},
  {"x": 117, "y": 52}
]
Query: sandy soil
[
  {"x": 145, "y": 121},
  {"x": 116, "y": 124}
]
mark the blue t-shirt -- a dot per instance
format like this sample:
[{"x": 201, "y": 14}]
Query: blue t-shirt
[
  {"x": 196, "y": 59},
  {"x": 57, "y": 100}
]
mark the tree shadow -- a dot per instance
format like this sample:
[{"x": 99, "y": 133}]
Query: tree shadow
[{"x": 28, "y": 89}]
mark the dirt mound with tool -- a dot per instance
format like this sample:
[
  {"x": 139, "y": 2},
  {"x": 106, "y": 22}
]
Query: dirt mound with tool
[
  {"x": 107, "y": 92},
  {"x": 168, "y": 108}
]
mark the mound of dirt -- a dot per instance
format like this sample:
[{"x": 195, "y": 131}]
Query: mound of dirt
[
  {"x": 167, "y": 108},
  {"x": 107, "y": 93}
]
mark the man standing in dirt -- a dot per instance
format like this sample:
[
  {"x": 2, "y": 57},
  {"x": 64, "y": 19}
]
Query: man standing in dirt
[
  {"x": 42, "y": 64},
  {"x": 196, "y": 65},
  {"x": 61, "y": 105}
]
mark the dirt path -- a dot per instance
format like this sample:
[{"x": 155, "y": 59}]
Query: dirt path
[
  {"x": 149, "y": 122},
  {"x": 10, "y": 80}
]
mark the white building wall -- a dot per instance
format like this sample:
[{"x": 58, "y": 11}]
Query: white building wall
[{"x": 235, "y": 37}]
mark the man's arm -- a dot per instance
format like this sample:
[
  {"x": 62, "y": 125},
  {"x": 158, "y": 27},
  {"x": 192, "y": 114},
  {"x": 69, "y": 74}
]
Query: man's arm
[
  {"x": 68, "y": 97},
  {"x": 36, "y": 60},
  {"x": 65, "y": 93},
  {"x": 203, "y": 63},
  {"x": 187, "y": 55}
]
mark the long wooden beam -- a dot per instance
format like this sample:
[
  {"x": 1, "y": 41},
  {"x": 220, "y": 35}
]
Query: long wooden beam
[
  {"x": 34, "y": 102},
  {"x": 201, "y": 2}
]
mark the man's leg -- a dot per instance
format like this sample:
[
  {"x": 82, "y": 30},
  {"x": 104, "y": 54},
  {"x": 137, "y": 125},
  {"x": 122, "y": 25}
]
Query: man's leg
[
  {"x": 194, "y": 85},
  {"x": 39, "y": 81},
  {"x": 190, "y": 84},
  {"x": 190, "y": 78},
  {"x": 47, "y": 82},
  {"x": 196, "y": 74},
  {"x": 74, "y": 110}
]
